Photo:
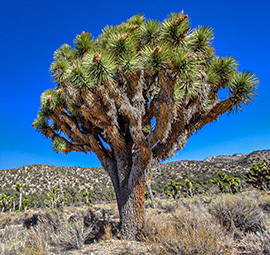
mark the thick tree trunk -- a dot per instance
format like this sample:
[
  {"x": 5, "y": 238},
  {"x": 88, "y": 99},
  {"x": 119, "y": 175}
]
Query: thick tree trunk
[
  {"x": 131, "y": 209},
  {"x": 128, "y": 178}
]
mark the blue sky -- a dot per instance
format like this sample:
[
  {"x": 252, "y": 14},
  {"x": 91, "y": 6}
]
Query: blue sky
[{"x": 32, "y": 30}]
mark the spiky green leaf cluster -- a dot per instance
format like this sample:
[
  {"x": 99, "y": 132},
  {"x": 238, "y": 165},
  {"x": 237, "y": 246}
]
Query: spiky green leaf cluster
[
  {"x": 40, "y": 124},
  {"x": 174, "y": 34},
  {"x": 59, "y": 144},
  {"x": 154, "y": 61},
  {"x": 150, "y": 33},
  {"x": 221, "y": 70},
  {"x": 83, "y": 43},
  {"x": 128, "y": 63},
  {"x": 201, "y": 42},
  {"x": 52, "y": 98},
  {"x": 100, "y": 71},
  {"x": 242, "y": 88},
  {"x": 188, "y": 72}
]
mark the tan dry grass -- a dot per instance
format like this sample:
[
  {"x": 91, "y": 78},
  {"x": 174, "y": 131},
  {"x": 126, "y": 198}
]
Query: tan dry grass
[{"x": 189, "y": 229}]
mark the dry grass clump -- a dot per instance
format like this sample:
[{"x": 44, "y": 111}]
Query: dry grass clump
[
  {"x": 264, "y": 201},
  {"x": 189, "y": 229},
  {"x": 256, "y": 243},
  {"x": 12, "y": 237},
  {"x": 64, "y": 234},
  {"x": 57, "y": 231},
  {"x": 238, "y": 212}
]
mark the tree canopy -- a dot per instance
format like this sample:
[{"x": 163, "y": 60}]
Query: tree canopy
[{"x": 162, "y": 77}]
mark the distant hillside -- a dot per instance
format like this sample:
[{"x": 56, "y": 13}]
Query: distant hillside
[
  {"x": 38, "y": 179},
  {"x": 203, "y": 171}
]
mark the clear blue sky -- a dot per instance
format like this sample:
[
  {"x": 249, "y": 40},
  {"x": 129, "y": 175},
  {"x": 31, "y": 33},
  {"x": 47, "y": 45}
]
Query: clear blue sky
[{"x": 32, "y": 30}]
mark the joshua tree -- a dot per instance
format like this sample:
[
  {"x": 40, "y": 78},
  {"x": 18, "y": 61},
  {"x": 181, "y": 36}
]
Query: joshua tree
[
  {"x": 4, "y": 202},
  {"x": 175, "y": 187},
  {"x": 229, "y": 184},
  {"x": 54, "y": 197},
  {"x": 134, "y": 95},
  {"x": 85, "y": 195},
  {"x": 259, "y": 175},
  {"x": 234, "y": 184},
  {"x": 189, "y": 187},
  {"x": 25, "y": 204},
  {"x": 13, "y": 201},
  {"x": 19, "y": 188},
  {"x": 220, "y": 184}
]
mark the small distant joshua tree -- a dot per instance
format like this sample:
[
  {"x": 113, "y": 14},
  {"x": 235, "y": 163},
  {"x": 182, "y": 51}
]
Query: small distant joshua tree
[
  {"x": 4, "y": 202},
  {"x": 13, "y": 201},
  {"x": 134, "y": 95},
  {"x": 227, "y": 184},
  {"x": 174, "y": 189},
  {"x": 54, "y": 197},
  {"x": 86, "y": 196},
  {"x": 259, "y": 175},
  {"x": 189, "y": 187},
  {"x": 25, "y": 204}
]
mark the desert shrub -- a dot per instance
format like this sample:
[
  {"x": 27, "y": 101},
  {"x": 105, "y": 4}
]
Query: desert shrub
[
  {"x": 12, "y": 238},
  {"x": 71, "y": 235},
  {"x": 264, "y": 202},
  {"x": 257, "y": 243},
  {"x": 240, "y": 212},
  {"x": 37, "y": 200},
  {"x": 189, "y": 229},
  {"x": 38, "y": 239},
  {"x": 57, "y": 230}
]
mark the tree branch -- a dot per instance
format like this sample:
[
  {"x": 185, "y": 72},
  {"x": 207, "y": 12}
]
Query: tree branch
[
  {"x": 163, "y": 108},
  {"x": 181, "y": 131}
]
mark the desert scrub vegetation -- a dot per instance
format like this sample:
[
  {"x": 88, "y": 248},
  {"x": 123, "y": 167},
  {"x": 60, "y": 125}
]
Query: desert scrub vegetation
[
  {"x": 202, "y": 224},
  {"x": 188, "y": 229},
  {"x": 239, "y": 212}
]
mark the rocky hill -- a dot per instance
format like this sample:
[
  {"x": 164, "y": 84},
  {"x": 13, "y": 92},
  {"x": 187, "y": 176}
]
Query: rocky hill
[
  {"x": 203, "y": 171},
  {"x": 39, "y": 179}
]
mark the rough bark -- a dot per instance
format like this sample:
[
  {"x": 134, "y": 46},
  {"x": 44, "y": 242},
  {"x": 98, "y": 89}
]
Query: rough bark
[{"x": 131, "y": 209}]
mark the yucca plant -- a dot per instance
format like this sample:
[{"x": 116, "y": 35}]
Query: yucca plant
[
  {"x": 134, "y": 95},
  {"x": 174, "y": 189},
  {"x": 259, "y": 175},
  {"x": 85, "y": 195},
  {"x": 4, "y": 202},
  {"x": 227, "y": 184}
]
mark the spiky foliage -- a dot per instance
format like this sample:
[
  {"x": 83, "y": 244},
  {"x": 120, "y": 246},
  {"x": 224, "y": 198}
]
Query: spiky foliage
[
  {"x": 259, "y": 175},
  {"x": 174, "y": 189},
  {"x": 227, "y": 184},
  {"x": 134, "y": 95}
]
